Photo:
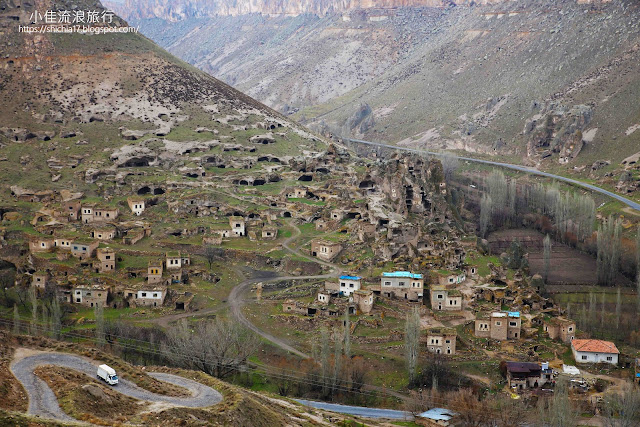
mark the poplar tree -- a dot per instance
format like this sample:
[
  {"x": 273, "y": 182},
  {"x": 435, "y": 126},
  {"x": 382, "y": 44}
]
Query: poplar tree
[
  {"x": 546, "y": 258},
  {"x": 412, "y": 342}
]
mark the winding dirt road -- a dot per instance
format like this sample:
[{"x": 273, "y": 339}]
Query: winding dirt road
[
  {"x": 43, "y": 402},
  {"x": 236, "y": 297}
]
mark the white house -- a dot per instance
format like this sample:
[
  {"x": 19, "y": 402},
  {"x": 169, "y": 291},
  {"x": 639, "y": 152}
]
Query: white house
[
  {"x": 594, "y": 351},
  {"x": 349, "y": 284},
  {"x": 136, "y": 205}
]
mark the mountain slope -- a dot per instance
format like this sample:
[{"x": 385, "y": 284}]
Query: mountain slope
[
  {"x": 533, "y": 80},
  {"x": 73, "y": 103}
]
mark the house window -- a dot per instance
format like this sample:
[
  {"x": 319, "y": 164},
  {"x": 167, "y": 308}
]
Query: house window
[
  {"x": 43, "y": 244},
  {"x": 77, "y": 299},
  {"x": 448, "y": 341},
  {"x": 498, "y": 323},
  {"x": 387, "y": 283},
  {"x": 155, "y": 295},
  {"x": 440, "y": 296},
  {"x": 400, "y": 283},
  {"x": 144, "y": 294},
  {"x": 77, "y": 292},
  {"x": 351, "y": 285},
  {"x": 570, "y": 328},
  {"x": 609, "y": 358},
  {"x": 584, "y": 357},
  {"x": 343, "y": 285},
  {"x": 513, "y": 324}
]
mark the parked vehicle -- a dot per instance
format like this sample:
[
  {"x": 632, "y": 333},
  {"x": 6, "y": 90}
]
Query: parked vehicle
[{"x": 107, "y": 374}]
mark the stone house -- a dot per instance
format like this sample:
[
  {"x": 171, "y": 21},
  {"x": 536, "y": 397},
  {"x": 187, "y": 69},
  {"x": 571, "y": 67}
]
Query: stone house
[
  {"x": 324, "y": 297},
  {"x": 136, "y": 204},
  {"x": 325, "y": 250},
  {"x": 594, "y": 351},
  {"x": 560, "y": 328},
  {"x": 499, "y": 326},
  {"x": 146, "y": 296},
  {"x": 403, "y": 285},
  {"x": 441, "y": 341},
  {"x": 63, "y": 243},
  {"x": 106, "y": 260},
  {"x": 41, "y": 244},
  {"x": 363, "y": 299},
  {"x": 104, "y": 233},
  {"x": 176, "y": 276},
  {"x": 84, "y": 249},
  {"x": 349, "y": 284},
  {"x": 90, "y": 296},
  {"x": 337, "y": 215},
  {"x": 104, "y": 214},
  {"x": 154, "y": 271},
  {"x": 445, "y": 299},
  {"x": 269, "y": 232},
  {"x": 237, "y": 226},
  {"x": 40, "y": 279},
  {"x": 86, "y": 213},
  {"x": 453, "y": 278},
  {"x": 177, "y": 260},
  {"x": 72, "y": 210}
]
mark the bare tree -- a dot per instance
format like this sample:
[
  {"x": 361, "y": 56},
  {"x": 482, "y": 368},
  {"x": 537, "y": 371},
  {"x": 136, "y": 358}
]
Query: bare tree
[
  {"x": 337, "y": 362},
  {"x": 217, "y": 347},
  {"x": 347, "y": 335},
  {"x": 100, "y": 329},
  {"x": 486, "y": 208},
  {"x": 33, "y": 303},
  {"x": 558, "y": 410},
  {"x": 638, "y": 271},
  {"x": 449, "y": 166},
  {"x": 324, "y": 359},
  {"x": 56, "y": 318},
  {"x": 16, "y": 320},
  {"x": 618, "y": 307},
  {"x": 623, "y": 409},
  {"x": 547, "y": 258},
  {"x": 211, "y": 253},
  {"x": 412, "y": 342}
]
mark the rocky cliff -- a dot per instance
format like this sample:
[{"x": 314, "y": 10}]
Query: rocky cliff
[{"x": 176, "y": 10}]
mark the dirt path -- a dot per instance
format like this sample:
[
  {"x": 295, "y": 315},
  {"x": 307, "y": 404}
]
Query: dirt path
[
  {"x": 236, "y": 297},
  {"x": 43, "y": 402}
]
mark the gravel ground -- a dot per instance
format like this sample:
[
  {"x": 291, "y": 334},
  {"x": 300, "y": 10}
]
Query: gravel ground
[{"x": 43, "y": 402}]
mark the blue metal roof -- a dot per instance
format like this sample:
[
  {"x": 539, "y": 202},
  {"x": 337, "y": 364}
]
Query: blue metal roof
[
  {"x": 403, "y": 274},
  {"x": 513, "y": 313},
  {"x": 638, "y": 375},
  {"x": 350, "y": 277},
  {"x": 437, "y": 414}
]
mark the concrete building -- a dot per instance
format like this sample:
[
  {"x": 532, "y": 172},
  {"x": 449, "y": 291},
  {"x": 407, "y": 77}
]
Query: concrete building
[
  {"x": 325, "y": 250},
  {"x": 154, "y": 271},
  {"x": 363, "y": 299},
  {"x": 560, "y": 328},
  {"x": 324, "y": 297},
  {"x": 445, "y": 299},
  {"x": 137, "y": 205},
  {"x": 441, "y": 341},
  {"x": 237, "y": 226},
  {"x": 106, "y": 260},
  {"x": 90, "y": 296},
  {"x": 454, "y": 278},
  {"x": 528, "y": 375},
  {"x": 594, "y": 351},
  {"x": 349, "y": 284},
  {"x": 499, "y": 326},
  {"x": 403, "y": 285},
  {"x": 63, "y": 243},
  {"x": 103, "y": 214}
]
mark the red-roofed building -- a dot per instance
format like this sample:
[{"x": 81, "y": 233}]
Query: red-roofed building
[{"x": 594, "y": 351}]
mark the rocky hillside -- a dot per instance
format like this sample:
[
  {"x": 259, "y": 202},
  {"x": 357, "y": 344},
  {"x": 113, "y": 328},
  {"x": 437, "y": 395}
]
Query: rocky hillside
[
  {"x": 535, "y": 80},
  {"x": 75, "y": 107}
]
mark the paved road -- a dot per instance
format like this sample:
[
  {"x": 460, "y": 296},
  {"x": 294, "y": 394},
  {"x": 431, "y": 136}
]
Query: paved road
[
  {"x": 43, "y": 402},
  {"x": 358, "y": 410},
  {"x": 236, "y": 297},
  {"x": 628, "y": 202}
]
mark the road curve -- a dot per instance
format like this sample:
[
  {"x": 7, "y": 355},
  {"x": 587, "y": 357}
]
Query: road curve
[
  {"x": 628, "y": 202},
  {"x": 43, "y": 402},
  {"x": 236, "y": 300}
]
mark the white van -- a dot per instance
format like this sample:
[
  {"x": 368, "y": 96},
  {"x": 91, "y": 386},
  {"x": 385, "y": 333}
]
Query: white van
[{"x": 107, "y": 374}]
